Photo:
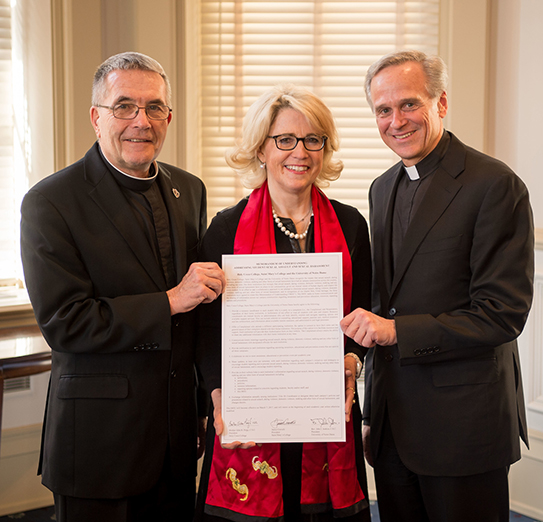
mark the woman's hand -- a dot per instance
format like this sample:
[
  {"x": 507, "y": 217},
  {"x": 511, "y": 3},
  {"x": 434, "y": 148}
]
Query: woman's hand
[
  {"x": 216, "y": 397},
  {"x": 202, "y": 427},
  {"x": 350, "y": 385}
]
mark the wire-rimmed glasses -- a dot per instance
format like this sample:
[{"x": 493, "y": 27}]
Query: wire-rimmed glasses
[{"x": 130, "y": 111}]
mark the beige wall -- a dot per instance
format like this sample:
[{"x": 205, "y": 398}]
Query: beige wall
[
  {"x": 85, "y": 34},
  {"x": 516, "y": 76}
]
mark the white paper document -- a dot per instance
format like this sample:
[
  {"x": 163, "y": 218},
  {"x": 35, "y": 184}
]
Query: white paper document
[{"x": 282, "y": 348}]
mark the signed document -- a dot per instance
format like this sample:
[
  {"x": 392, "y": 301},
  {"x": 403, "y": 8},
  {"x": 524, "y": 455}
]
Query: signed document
[{"x": 282, "y": 348}]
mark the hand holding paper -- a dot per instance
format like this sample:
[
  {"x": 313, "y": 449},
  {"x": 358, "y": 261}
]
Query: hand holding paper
[
  {"x": 350, "y": 386},
  {"x": 216, "y": 397}
]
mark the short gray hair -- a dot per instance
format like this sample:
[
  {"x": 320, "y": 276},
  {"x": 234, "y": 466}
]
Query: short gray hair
[
  {"x": 433, "y": 66},
  {"x": 124, "y": 62}
]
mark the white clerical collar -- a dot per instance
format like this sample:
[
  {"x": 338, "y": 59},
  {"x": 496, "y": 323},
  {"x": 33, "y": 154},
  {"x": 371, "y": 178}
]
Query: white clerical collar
[
  {"x": 412, "y": 172},
  {"x": 134, "y": 177}
]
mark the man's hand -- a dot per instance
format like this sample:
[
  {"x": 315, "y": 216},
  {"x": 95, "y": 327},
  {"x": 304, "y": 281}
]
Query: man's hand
[
  {"x": 203, "y": 283},
  {"x": 216, "y": 397},
  {"x": 368, "y": 329},
  {"x": 366, "y": 433}
]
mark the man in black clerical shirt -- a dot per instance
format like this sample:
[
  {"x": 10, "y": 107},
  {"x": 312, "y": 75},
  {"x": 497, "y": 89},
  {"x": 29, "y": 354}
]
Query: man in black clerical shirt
[
  {"x": 108, "y": 247},
  {"x": 452, "y": 246}
]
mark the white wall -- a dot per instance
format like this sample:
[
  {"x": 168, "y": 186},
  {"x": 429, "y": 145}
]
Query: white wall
[
  {"x": 517, "y": 77},
  {"x": 515, "y": 114},
  {"x": 530, "y": 109}
]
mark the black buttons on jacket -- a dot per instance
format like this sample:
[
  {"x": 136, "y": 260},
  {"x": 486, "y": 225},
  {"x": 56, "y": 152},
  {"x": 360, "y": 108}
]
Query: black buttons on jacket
[
  {"x": 146, "y": 346},
  {"x": 389, "y": 357},
  {"x": 426, "y": 351},
  {"x": 392, "y": 312}
]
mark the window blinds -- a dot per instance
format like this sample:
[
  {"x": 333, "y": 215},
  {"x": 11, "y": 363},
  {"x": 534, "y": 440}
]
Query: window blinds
[
  {"x": 248, "y": 46},
  {"x": 9, "y": 225}
]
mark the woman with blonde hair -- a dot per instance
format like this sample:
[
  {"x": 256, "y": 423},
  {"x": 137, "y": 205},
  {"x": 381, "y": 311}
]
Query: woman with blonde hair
[{"x": 286, "y": 156}]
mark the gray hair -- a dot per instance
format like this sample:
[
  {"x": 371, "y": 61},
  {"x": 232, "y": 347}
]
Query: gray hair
[
  {"x": 124, "y": 62},
  {"x": 433, "y": 66}
]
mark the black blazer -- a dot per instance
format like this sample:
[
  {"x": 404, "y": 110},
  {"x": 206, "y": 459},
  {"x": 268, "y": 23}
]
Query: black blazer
[
  {"x": 460, "y": 296},
  {"x": 122, "y": 383}
]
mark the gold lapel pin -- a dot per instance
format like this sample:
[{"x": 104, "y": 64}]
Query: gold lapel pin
[{"x": 175, "y": 192}]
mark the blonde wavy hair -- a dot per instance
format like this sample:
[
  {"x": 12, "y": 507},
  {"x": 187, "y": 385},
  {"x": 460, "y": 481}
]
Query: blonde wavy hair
[{"x": 258, "y": 121}]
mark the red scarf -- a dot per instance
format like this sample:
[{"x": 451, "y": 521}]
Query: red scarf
[{"x": 248, "y": 481}]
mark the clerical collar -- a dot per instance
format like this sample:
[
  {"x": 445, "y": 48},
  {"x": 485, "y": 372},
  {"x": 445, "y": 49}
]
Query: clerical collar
[
  {"x": 412, "y": 172},
  {"x": 132, "y": 182},
  {"x": 429, "y": 163}
]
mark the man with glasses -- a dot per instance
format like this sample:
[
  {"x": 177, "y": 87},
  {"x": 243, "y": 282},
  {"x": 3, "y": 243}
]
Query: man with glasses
[{"x": 108, "y": 246}]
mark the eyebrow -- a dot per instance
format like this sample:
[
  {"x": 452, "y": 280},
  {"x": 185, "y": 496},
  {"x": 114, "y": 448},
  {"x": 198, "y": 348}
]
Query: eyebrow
[
  {"x": 401, "y": 102},
  {"x": 294, "y": 135},
  {"x": 410, "y": 100},
  {"x": 121, "y": 99}
]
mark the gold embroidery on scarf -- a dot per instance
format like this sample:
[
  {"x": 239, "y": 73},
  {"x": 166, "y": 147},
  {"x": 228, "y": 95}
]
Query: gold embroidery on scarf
[
  {"x": 242, "y": 489},
  {"x": 264, "y": 468},
  {"x": 325, "y": 467}
]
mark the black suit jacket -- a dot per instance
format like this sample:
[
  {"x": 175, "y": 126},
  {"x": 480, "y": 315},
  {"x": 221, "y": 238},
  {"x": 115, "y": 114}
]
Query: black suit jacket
[
  {"x": 460, "y": 296},
  {"x": 122, "y": 386}
]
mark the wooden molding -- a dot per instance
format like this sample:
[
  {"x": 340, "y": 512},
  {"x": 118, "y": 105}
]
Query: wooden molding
[{"x": 539, "y": 238}]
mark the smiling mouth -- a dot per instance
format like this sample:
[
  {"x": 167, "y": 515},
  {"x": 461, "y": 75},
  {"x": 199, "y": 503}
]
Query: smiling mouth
[
  {"x": 137, "y": 140},
  {"x": 297, "y": 168},
  {"x": 403, "y": 136}
]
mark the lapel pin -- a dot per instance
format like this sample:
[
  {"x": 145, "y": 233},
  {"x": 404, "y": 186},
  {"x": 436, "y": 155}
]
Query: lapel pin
[{"x": 175, "y": 192}]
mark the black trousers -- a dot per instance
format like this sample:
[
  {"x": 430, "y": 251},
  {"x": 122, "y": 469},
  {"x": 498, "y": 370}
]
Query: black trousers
[
  {"x": 170, "y": 500},
  {"x": 404, "y": 496}
]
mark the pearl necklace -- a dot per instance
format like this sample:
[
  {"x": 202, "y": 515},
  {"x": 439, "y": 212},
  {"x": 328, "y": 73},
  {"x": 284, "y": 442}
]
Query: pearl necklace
[{"x": 286, "y": 231}]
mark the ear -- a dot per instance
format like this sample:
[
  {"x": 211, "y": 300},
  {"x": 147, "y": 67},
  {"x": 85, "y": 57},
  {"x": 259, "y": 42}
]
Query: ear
[
  {"x": 443, "y": 105},
  {"x": 261, "y": 156},
  {"x": 94, "y": 117}
]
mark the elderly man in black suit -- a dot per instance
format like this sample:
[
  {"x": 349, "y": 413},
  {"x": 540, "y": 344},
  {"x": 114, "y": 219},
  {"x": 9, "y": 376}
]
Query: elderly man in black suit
[
  {"x": 452, "y": 238},
  {"x": 108, "y": 246}
]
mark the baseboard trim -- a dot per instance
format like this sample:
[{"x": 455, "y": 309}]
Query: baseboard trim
[
  {"x": 20, "y": 486},
  {"x": 27, "y": 505},
  {"x": 526, "y": 510}
]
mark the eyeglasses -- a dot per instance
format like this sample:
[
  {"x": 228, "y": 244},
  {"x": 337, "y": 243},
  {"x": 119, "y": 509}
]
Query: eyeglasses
[
  {"x": 290, "y": 142},
  {"x": 130, "y": 111}
]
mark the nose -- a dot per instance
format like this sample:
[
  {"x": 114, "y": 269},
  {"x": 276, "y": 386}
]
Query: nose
[
  {"x": 141, "y": 119},
  {"x": 398, "y": 119},
  {"x": 300, "y": 149}
]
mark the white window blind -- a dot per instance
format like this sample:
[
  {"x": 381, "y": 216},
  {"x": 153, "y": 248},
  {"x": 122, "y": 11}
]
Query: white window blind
[
  {"x": 15, "y": 144},
  {"x": 327, "y": 46},
  {"x": 8, "y": 214}
]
